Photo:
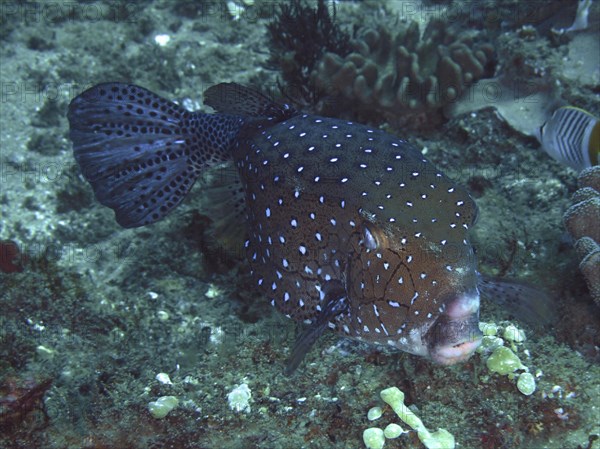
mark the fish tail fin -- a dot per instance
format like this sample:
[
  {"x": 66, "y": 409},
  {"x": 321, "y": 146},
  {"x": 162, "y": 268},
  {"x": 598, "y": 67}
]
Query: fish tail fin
[{"x": 142, "y": 153}]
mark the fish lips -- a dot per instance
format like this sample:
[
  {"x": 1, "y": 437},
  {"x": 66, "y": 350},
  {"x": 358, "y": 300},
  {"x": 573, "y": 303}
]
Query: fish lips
[{"x": 453, "y": 339}]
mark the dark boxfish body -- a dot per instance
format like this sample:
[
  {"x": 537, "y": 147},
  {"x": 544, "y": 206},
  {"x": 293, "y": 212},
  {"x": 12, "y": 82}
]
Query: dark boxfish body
[{"x": 348, "y": 227}]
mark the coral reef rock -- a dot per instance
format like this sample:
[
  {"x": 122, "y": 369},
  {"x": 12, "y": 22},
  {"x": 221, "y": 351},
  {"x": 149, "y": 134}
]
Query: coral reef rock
[
  {"x": 406, "y": 73},
  {"x": 581, "y": 221}
]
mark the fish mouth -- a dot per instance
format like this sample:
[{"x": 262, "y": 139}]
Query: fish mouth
[
  {"x": 452, "y": 354},
  {"x": 455, "y": 335}
]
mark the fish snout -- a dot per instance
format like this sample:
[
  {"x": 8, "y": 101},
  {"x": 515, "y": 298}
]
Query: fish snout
[{"x": 455, "y": 335}]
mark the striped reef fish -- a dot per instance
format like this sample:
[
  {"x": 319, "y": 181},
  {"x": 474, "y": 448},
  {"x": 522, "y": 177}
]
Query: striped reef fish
[
  {"x": 572, "y": 136},
  {"x": 348, "y": 227}
]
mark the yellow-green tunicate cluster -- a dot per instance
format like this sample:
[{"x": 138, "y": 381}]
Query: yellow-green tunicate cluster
[
  {"x": 526, "y": 384},
  {"x": 392, "y": 430},
  {"x": 239, "y": 398},
  {"x": 501, "y": 353},
  {"x": 374, "y": 438},
  {"x": 162, "y": 406},
  {"x": 504, "y": 361},
  {"x": 374, "y": 413}
]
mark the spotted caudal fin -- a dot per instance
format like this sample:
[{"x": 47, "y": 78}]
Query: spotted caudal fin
[
  {"x": 525, "y": 302},
  {"x": 142, "y": 153}
]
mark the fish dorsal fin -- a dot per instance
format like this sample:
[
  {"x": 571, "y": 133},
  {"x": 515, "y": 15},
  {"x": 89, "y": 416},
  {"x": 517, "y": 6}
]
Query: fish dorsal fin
[
  {"x": 235, "y": 99},
  {"x": 224, "y": 202}
]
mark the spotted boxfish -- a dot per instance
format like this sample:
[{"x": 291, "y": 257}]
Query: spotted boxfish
[{"x": 348, "y": 227}]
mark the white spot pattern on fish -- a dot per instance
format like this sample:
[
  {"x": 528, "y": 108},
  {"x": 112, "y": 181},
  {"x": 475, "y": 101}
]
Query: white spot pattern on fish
[{"x": 345, "y": 223}]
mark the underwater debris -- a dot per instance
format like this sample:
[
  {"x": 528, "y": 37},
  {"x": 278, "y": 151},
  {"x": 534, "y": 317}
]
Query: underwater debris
[
  {"x": 581, "y": 221},
  {"x": 404, "y": 73}
]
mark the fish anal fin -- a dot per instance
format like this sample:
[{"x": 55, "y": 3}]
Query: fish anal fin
[{"x": 527, "y": 303}]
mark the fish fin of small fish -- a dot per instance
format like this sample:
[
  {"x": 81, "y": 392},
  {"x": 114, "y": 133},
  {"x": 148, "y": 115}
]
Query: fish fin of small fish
[
  {"x": 235, "y": 99},
  {"x": 336, "y": 304},
  {"x": 525, "y": 302},
  {"x": 138, "y": 150},
  {"x": 224, "y": 202}
]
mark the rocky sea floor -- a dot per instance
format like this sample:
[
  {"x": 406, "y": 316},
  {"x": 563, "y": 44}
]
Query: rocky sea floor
[{"x": 99, "y": 311}]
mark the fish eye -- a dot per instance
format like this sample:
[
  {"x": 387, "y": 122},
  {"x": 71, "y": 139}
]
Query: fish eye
[{"x": 369, "y": 239}]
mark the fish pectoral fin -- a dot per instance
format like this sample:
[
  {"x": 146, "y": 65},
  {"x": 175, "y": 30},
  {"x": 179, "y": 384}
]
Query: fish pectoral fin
[
  {"x": 302, "y": 346},
  {"x": 336, "y": 304},
  {"x": 525, "y": 302},
  {"x": 224, "y": 202}
]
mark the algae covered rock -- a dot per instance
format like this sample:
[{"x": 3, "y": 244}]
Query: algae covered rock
[{"x": 403, "y": 72}]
